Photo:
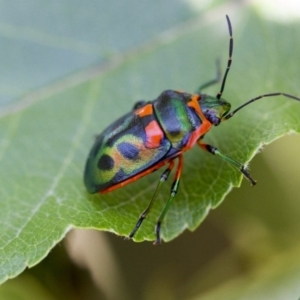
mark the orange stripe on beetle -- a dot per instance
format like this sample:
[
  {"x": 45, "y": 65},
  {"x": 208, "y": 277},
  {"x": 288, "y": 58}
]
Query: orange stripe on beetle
[{"x": 144, "y": 111}]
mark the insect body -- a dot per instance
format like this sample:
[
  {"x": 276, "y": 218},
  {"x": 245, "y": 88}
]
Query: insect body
[{"x": 155, "y": 134}]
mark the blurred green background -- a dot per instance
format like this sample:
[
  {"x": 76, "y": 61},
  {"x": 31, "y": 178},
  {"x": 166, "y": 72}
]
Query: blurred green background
[{"x": 246, "y": 249}]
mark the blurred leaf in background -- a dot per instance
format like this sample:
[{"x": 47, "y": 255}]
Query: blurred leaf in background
[{"x": 68, "y": 70}]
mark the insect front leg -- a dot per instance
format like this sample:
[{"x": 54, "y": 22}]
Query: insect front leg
[
  {"x": 213, "y": 81},
  {"x": 144, "y": 214},
  {"x": 236, "y": 164},
  {"x": 173, "y": 192}
]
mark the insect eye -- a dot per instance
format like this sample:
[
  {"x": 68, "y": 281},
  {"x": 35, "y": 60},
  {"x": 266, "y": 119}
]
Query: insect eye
[
  {"x": 215, "y": 120},
  {"x": 212, "y": 117}
]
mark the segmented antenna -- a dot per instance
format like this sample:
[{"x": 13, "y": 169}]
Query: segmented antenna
[
  {"x": 229, "y": 58},
  {"x": 231, "y": 114}
]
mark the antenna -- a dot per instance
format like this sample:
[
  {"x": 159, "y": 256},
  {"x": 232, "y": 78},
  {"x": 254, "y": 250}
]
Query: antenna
[
  {"x": 231, "y": 114},
  {"x": 229, "y": 59}
]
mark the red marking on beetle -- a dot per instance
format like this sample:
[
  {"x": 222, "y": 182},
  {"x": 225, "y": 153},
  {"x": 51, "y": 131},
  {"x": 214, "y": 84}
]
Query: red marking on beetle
[{"x": 154, "y": 135}]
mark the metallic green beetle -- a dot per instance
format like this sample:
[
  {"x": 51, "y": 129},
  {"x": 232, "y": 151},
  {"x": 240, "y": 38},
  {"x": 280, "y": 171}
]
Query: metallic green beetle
[{"x": 154, "y": 134}]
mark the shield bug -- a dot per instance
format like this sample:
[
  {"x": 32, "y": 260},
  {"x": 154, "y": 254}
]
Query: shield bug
[{"x": 155, "y": 134}]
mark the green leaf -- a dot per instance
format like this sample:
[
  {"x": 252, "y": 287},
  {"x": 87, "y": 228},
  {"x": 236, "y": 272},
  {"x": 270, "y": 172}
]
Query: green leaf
[
  {"x": 47, "y": 135},
  {"x": 42, "y": 42}
]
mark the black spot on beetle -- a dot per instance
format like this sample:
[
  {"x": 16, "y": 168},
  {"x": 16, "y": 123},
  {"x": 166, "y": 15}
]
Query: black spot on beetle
[
  {"x": 128, "y": 151},
  {"x": 105, "y": 162}
]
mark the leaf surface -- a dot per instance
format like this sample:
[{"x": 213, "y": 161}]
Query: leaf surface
[{"x": 46, "y": 136}]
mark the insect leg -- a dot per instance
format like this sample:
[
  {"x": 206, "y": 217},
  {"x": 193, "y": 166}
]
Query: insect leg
[
  {"x": 229, "y": 61},
  {"x": 173, "y": 192},
  {"x": 144, "y": 214},
  {"x": 139, "y": 104},
  {"x": 236, "y": 164},
  {"x": 213, "y": 81}
]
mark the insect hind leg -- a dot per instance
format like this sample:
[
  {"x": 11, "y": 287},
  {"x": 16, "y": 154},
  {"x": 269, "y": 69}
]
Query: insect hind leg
[
  {"x": 173, "y": 192},
  {"x": 144, "y": 214}
]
